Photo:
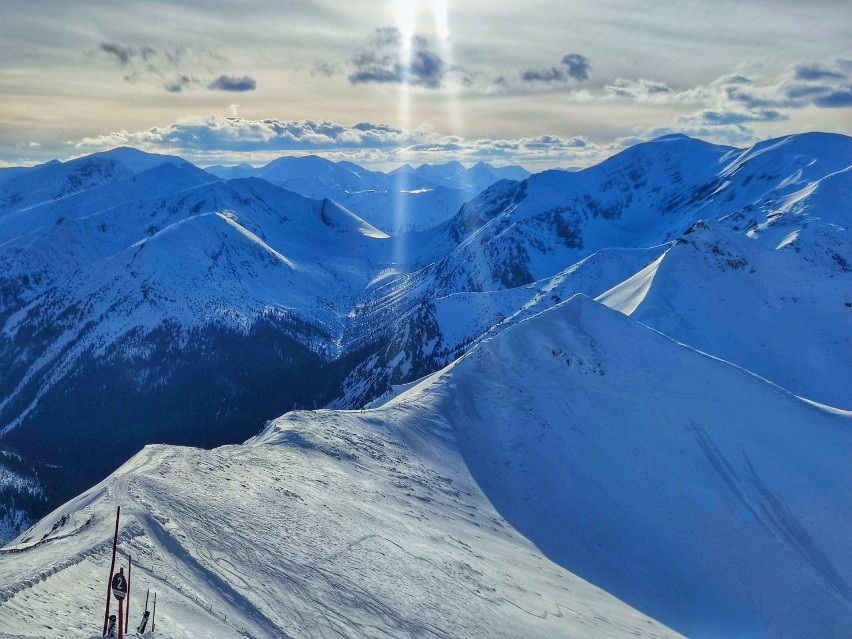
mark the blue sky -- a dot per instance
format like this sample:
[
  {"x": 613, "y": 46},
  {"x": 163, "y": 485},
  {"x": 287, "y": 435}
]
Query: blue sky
[{"x": 385, "y": 82}]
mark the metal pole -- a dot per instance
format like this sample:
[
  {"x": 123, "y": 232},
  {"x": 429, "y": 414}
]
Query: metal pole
[
  {"x": 111, "y": 568},
  {"x": 127, "y": 610},
  {"x": 154, "y": 614}
]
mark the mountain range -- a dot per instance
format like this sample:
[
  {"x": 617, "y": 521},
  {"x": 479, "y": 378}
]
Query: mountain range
[{"x": 627, "y": 371}]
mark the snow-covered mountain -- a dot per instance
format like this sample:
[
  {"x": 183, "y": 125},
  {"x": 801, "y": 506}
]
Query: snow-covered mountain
[
  {"x": 575, "y": 450},
  {"x": 785, "y": 203},
  {"x": 406, "y": 199},
  {"x": 143, "y": 299},
  {"x": 153, "y": 284},
  {"x": 454, "y": 175}
]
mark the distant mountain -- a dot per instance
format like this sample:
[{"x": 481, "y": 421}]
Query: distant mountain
[
  {"x": 232, "y": 172},
  {"x": 573, "y": 465},
  {"x": 405, "y": 199},
  {"x": 454, "y": 175}
]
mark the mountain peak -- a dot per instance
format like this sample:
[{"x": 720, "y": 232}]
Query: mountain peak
[{"x": 671, "y": 137}]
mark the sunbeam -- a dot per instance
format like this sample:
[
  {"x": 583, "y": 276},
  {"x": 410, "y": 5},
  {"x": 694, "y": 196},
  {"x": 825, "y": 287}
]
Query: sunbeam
[{"x": 407, "y": 22}]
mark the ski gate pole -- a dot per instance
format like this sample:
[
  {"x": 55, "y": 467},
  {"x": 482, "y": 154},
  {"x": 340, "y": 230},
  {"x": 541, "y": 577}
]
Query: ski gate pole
[
  {"x": 111, "y": 568},
  {"x": 120, "y": 611},
  {"x": 127, "y": 610}
]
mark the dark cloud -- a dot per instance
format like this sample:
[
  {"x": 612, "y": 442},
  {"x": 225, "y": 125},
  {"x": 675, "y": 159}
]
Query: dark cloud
[
  {"x": 640, "y": 90},
  {"x": 178, "y": 84},
  {"x": 816, "y": 72},
  {"x": 232, "y": 83},
  {"x": 796, "y": 91},
  {"x": 578, "y": 66},
  {"x": 711, "y": 117},
  {"x": 546, "y": 75},
  {"x": 574, "y": 66},
  {"x": 792, "y": 94},
  {"x": 817, "y": 84},
  {"x": 375, "y": 73},
  {"x": 384, "y": 60},
  {"x": 836, "y": 99},
  {"x": 120, "y": 53},
  {"x": 175, "y": 69},
  {"x": 126, "y": 55}
]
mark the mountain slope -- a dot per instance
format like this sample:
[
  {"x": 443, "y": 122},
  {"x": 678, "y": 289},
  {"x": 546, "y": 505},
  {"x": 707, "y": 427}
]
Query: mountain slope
[
  {"x": 172, "y": 290},
  {"x": 792, "y": 192},
  {"x": 659, "y": 474},
  {"x": 655, "y": 472},
  {"x": 776, "y": 311},
  {"x": 360, "y": 524}
]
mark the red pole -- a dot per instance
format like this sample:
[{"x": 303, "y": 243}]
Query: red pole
[
  {"x": 127, "y": 610},
  {"x": 120, "y": 625},
  {"x": 111, "y": 568}
]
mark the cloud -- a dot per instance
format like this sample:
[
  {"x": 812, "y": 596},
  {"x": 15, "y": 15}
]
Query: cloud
[
  {"x": 824, "y": 85},
  {"x": 387, "y": 59},
  {"x": 214, "y": 139},
  {"x": 231, "y": 83},
  {"x": 146, "y": 55},
  {"x": 641, "y": 90},
  {"x": 574, "y": 66},
  {"x": 816, "y": 72},
  {"x": 578, "y": 66},
  {"x": 710, "y": 117},
  {"x": 836, "y": 99},
  {"x": 177, "y": 84},
  {"x": 546, "y": 75},
  {"x": 272, "y": 134},
  {"x": 736, "y": 98},
  {"x": 120, "y": 53},
  {"x": 176, "y": 69},
  {"x": 732, "y": 78},
  {"x": 321, "y": 67}
]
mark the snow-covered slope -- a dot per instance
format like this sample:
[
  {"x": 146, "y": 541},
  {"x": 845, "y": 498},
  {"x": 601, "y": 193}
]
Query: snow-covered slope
[
  {"x": 708, "y": 498},
  {"x": 662, "y": 475},
  {"x": 363, "y": 524},
  {"x": 775, "y": 311}
]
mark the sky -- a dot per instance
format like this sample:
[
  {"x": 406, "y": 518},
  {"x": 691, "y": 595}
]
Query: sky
[{"x": 383, "y": 82}]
